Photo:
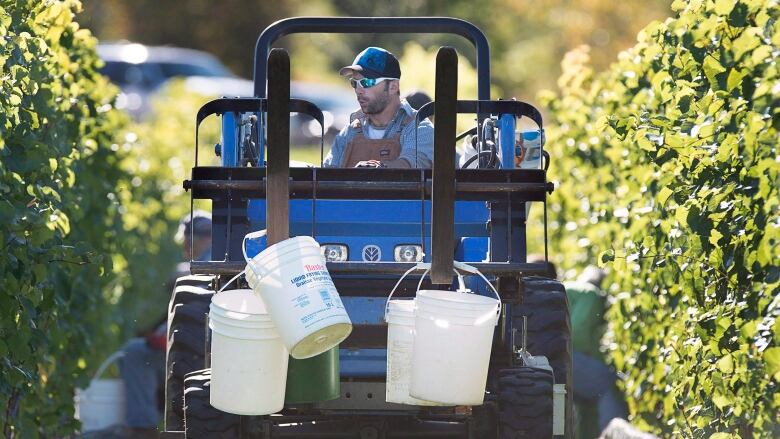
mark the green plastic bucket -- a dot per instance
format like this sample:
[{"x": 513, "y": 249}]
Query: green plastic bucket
[{"x": 314, "y": 379}]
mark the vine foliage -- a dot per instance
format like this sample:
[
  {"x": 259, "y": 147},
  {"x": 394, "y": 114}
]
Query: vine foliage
[
  {"x": 86, "y": 245},
  {"x": 671, "y": 181}
]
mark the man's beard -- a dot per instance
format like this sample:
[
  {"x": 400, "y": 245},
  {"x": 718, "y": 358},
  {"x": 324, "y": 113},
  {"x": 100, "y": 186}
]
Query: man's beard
[{"x": 378, "y": 105}]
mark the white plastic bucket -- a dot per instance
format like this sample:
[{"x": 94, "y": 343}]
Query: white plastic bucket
[
  {"x": 294, "y": 283},
  {"x": 102, "y": 404},
  {"x": 452, "y": 346},
  {"x": 453, "y": 336},
  {"x": 400, "y": 341},
  {"x": 248, "y": 358}
]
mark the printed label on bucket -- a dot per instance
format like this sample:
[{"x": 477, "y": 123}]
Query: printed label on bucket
[
  {"x": 315, "y": 274},
  {"x": 301, "y": 301},
  {"x": 326, "y": 299},
  {"x": 315, "y": 280}
]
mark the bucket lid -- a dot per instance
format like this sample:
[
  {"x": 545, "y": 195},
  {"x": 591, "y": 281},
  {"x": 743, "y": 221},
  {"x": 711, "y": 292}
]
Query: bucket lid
[
  {"x": 400, "y": 311},
  {"x": 461, "y": 308},
  {"x": 243, "y": 332},
  {"x": 243, "y": 301},
  {"x": 240, "y": 320},
  {"x": 271, "y": 256},
  {"x": 454, "y": 299},
  {"x": 401, "y": 306}
]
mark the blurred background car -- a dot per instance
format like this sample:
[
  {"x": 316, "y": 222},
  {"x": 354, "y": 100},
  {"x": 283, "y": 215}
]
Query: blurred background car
[
  {"x": 140, "y": 71},
  {"x": 336, "y": 103}
]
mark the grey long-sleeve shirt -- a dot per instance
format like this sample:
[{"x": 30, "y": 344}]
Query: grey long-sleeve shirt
[{"x": 419, "y": 156}]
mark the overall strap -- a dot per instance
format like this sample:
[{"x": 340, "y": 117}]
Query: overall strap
[{"x": 406, "y": 121}]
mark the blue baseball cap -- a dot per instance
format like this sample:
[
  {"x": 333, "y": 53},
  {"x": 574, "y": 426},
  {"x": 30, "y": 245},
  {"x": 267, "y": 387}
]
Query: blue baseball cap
[{"x": 374, "y": 62}]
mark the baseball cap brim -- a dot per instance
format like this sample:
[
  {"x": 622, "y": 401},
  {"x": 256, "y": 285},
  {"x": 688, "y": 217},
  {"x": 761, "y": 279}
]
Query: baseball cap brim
[{"x": 350, "y": 70}]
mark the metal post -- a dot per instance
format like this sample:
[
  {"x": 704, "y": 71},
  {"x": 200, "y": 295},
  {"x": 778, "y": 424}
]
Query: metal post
[
  {"x": 278, "y": 186},
  {"x": 443, "y": 191}
]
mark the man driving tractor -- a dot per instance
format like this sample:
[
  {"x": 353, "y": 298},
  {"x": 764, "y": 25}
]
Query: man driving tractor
[{"x": 382, "y": 133}]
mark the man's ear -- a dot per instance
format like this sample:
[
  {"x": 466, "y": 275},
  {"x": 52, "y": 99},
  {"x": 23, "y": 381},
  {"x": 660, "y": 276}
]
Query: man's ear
[{"x": 394, "y": 87}]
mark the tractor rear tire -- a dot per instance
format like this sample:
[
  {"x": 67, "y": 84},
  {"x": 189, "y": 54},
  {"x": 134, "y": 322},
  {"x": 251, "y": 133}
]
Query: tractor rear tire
[
  {"x": 525, "y": 403},
  {"x": 201, "y": 420},
  {"x": 545, "y": 304},
  {"x": 186, "y": 342}
]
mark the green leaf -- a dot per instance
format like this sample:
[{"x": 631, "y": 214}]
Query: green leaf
[
  {"x": 643, "y": 141},
  {"x": 724, "y": 7},
  {"x": 712, "y": 68},
  {"x": 664, "y": 195},
  {"x": 748, "y": 40},
  {"x": 606, "y": 257},
  {"x": 761, "y": 54},
  {"x": 681, "y": 214},
  {"x": 725, "y": 364},
  {"x": 715, "y": 236},
  {"x": 772, "y": 361},
  {"x": 735, "y": 78},
  {"x": 721, "y": 401}
]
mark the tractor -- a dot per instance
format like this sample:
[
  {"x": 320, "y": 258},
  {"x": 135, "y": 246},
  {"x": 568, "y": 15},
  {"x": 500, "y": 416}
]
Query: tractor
[{"x": 374, "y": 225}]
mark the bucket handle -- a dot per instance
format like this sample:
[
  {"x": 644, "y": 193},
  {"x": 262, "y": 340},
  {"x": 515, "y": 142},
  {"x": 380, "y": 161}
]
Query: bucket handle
[
  {"x": 253, "y": 235},
  {"x": 427, "y": 267},
  {"x": 108, "y": 361},
  {"x": 232, "y": 279}
]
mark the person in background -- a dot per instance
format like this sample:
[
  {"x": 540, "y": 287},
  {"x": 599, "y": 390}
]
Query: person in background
[
  {"x": 593, "y": 381},
  {"x": 143, "y": 366},
  {"x": 383, "y": 133},
  {"x": 417, "y": 98}
]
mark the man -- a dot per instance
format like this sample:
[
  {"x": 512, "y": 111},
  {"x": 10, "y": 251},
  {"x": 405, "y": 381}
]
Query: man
[
  {"x": 382, "y": 133},
  {"x": 143, "y": 366}
]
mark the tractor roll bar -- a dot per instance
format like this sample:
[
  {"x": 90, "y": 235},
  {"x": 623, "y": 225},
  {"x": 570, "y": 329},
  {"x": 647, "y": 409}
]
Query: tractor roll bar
[
  {"x": 370, "y": 25},
  {"x": 253, "y": 105},
  {"x": 517, "y": 108}
]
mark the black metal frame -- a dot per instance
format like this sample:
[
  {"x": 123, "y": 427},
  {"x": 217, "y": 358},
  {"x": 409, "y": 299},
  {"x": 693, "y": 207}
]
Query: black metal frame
[
  {"x": 371, "y": 25},
  {"x": 517, "y": 185}
]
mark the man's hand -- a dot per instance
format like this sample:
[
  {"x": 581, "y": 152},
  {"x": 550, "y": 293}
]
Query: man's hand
[{"x": 370, "y": 164}]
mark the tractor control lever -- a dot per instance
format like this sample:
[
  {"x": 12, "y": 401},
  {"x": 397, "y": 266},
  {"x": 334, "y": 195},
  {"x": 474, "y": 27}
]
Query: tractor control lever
[{"x": 522, "y": 354}]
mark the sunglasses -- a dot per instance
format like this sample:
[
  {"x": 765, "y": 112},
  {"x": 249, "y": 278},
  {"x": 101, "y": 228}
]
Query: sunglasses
[{"x": 368, "y": 82}]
